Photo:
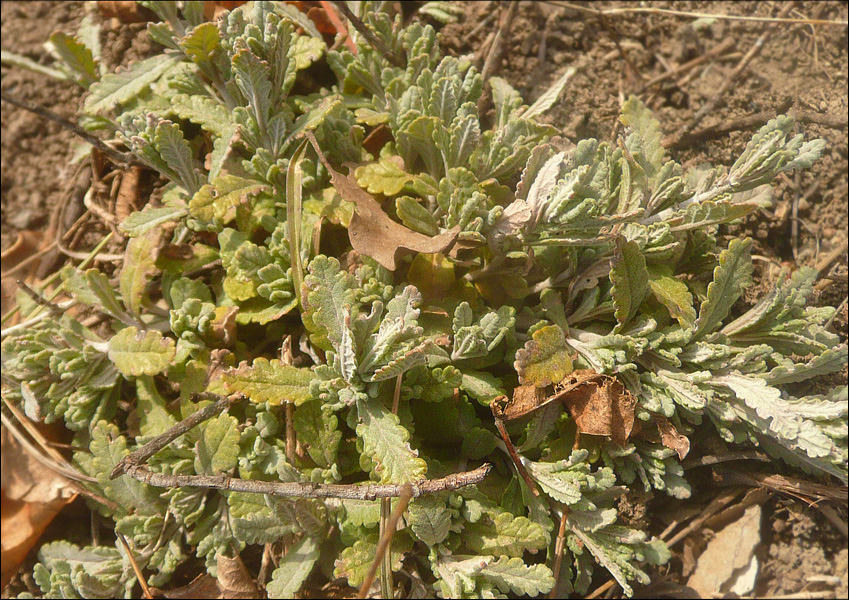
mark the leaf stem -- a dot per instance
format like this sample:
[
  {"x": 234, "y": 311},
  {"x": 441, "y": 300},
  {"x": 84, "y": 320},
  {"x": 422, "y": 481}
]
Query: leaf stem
[{"x": 119, "y": 157}]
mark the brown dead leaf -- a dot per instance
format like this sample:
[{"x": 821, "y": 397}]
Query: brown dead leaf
[
  {"x": 372, "y": 232},
  {"x": 729, "y": 563},
  {"x": 599, "y": 404},
  {"x": 234, "y": 581},
  {"x": 526, "y": 398},
  {"x": 671, "y": 438},
  {"x": 32, "y": 496}
]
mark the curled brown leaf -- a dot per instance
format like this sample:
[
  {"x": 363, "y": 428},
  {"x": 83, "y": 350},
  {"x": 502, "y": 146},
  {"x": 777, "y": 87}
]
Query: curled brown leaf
[{"x": 372, "y": 232}]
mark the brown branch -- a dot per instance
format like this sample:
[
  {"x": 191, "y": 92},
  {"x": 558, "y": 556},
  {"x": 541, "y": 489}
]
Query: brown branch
[
  {"x": 372, "y": 39},
  {"x": 367, "y": 491},
  {"x": 115, "y": 155},
  {"x": 140, "y": 456}
]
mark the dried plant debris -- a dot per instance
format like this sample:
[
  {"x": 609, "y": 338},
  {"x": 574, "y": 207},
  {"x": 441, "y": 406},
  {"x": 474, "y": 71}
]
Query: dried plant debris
[{"x": 462, "y": 262}]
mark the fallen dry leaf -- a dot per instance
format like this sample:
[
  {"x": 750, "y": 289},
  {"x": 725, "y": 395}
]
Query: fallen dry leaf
[
  {"x": 372, "y": 232},
  {"x": 729, "y": 564},
  {"x": 671, "y": 438},
  {"x": 32, "y": 496},
  {"x": 599, "y": 404}
]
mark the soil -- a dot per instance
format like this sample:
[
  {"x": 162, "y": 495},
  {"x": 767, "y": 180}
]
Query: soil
[{"x": 800, "y": 68}]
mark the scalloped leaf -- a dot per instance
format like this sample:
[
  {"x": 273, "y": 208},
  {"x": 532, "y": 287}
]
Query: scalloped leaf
[
  {"x": 139, "y": 266},
  {"x": 504, "y": 534},
  {"x": 293, "y": 569},
  {"x": 217, "y": 450},
  {"x": 215, "y": 203},
  {"x": 386, "y": 442},
  {"x": 142, "y": 221},
  {"x": 138, "y": 353},
  {"x": 673, "y": 294},
  {"x": 730, "y": 277},
  {"x": 385, "y": 177},
  {"x": 269, "y": 381},
  {"x": 630, "y": 280},
  {"x": 120, "y": 88},
  {"x": 545, "y": 359}
]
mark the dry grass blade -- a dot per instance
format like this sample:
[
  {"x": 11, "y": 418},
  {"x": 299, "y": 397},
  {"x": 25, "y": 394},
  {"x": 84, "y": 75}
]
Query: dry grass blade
[
  {"x": 294, "y": 215},
  {"x": 386, "y": 539},
  {"x": 684, "y": 14}
]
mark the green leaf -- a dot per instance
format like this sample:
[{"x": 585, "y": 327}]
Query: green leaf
[
  {"x": 93, "y": 288},
  {"x": 386, "y": 442},
  {"x": 327, "y": 294},
  {"x": 201, "y": 43},
  {"x": 482, "y": 386},
  {"x": 215, "y": 204},
  {"x": 354, "y": 562},
  {"x": 293, "y": 569},
  {"x": 205, "y": 111},
  {"x": 139, "y": 266},
  {"x": 142, "y": 221},
  {"x": 137, "y": 352},
  {"x": 730, "y": 278},
  {"x": 644, "y": 141},
  {"x": 317, "y": 430},
  {"x": 415, "y": 216},
  {"x": 545, "y": 359},
  {"x": 107, "y": 448},
  {"x": 154, "y": 417},
  {"x": 269, "y": 381},
  {"x": 120, "y": 88},
  {"x": 830, "y": 361},
  {"x": 430, "y": 518},
  {"x": 673, "y": 294},
  {"x": 630, "y": 280},
  {"x": 217, "y": 450},
  {"x": 77, "y": 59},
  {"x": 386, "y": 177},
  {"x": 549, "y": 96},
  {"x": 522, "y": 579},
  {"x": 504, "y": 534}
]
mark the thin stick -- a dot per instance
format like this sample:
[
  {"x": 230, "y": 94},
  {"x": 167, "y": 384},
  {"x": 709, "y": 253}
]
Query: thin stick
[
  {"x": 514, "y": 455},
  {"x": 141, "y": 455},
  {"x": 50, "y": 306},
  {"x": 726, "y": 44},
  {"x": 711, "y": 104},
  {"x": 691, "y": 15},
  {"x": 558, "y": 552},
  {"x": 136, "y": 568},
  {"x": 497, "y": 47},
  {"x": 386, "y": 538},
  {"x": 601, "y": 589},
  {"x": 352, "y": 491},
  {"x": 115, "y": 155},
  {"x": 372, "y": 39}
]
